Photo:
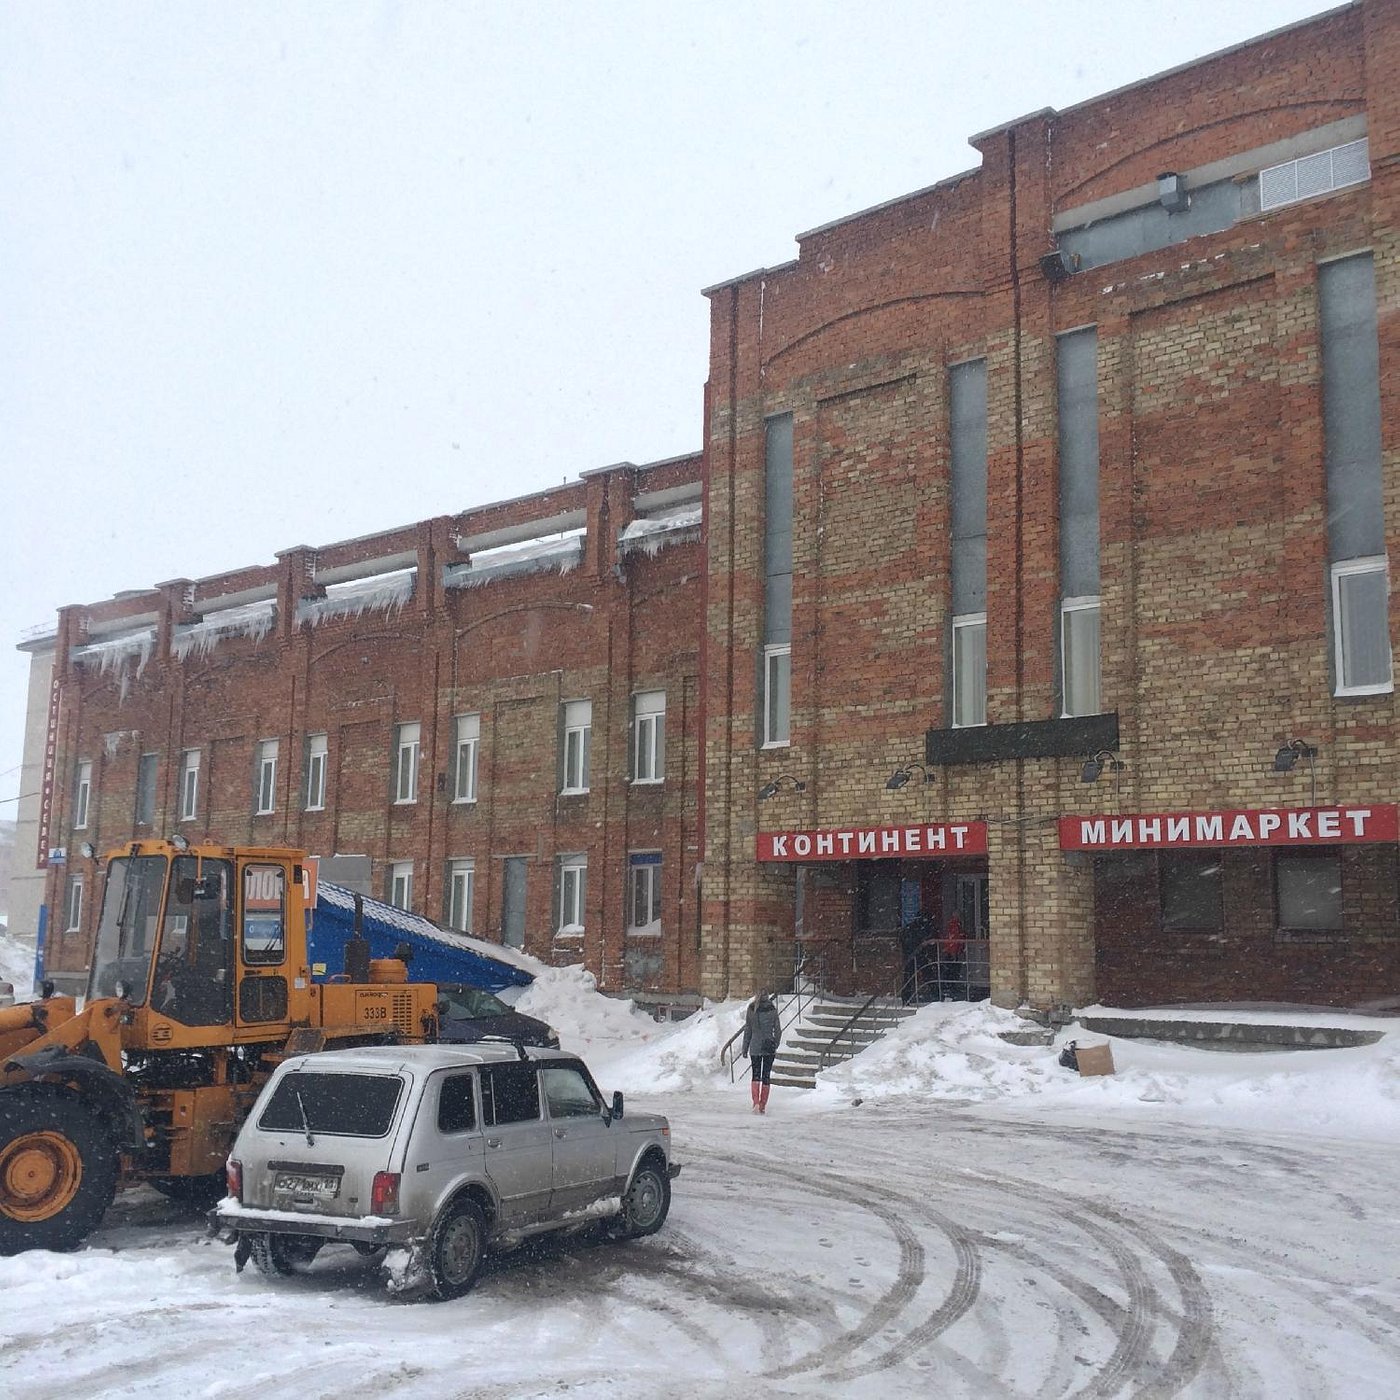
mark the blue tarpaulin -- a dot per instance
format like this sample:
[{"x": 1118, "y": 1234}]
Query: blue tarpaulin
[{"x": 438, "y": 955}]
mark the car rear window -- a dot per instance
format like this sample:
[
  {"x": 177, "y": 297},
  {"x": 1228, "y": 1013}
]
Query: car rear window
[{"x": 349, "y": 1105}]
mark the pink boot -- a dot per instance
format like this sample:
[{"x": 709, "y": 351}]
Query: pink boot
[
  {"x": 763, "y": 1098},
  {"x": 754, "y": 1088}
]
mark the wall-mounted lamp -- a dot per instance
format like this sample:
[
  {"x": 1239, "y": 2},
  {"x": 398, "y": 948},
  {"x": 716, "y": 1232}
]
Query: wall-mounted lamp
[
  {"x": 1286, "y": 759},
  {"x": 904, "y": 774},
  {"x": 1096, "y": 763},
  {"x": 87, "y": 850},
  {"x": 772, "y": 789},
  {"x": 181, "y": 843},
  {"x": 1057, "y": 265},
  {"x": 1171, "y": 192}
]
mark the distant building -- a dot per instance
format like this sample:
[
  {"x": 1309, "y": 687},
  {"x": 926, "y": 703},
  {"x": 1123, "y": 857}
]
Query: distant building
[{"x": 1030, "y": 603}]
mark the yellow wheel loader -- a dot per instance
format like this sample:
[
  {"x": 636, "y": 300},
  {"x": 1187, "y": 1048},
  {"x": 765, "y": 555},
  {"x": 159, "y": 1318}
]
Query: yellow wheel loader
[{"x": 199, "y": 986}]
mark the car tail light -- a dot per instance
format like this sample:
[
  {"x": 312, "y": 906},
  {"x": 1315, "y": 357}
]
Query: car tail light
[
  {"x": 233, "y": 1173},
  {"x": 384, "y": 1195}
]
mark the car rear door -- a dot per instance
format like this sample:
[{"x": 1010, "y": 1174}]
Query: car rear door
[
  {"x": 447, "y": 1144},
  {"x": 584, "y": 1141},
  {"x": 519, "y": 1158}
]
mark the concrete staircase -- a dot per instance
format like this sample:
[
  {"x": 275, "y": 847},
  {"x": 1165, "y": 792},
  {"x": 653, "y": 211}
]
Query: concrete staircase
[{"x": 800, "y": 1054}]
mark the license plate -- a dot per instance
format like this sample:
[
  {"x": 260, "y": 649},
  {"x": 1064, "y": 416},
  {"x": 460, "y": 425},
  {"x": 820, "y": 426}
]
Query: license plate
[{"x": 307, "y": 1184}]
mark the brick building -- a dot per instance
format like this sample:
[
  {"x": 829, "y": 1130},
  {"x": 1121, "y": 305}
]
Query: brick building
[
  {"x": 1041, "y": 584},
  {"x": 497, "y": 708},
  {"x": 1079, "y": 465}
]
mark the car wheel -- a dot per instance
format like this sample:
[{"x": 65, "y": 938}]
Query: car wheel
[
  {"x": 647, "y": 1202},
  {"x": 279, "y": 1255},
  {"x": 456, "y": 1249}
]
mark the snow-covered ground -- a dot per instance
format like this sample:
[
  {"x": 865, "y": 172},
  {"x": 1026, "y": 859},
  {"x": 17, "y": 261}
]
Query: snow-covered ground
[{"x": 946, "y": 1215}]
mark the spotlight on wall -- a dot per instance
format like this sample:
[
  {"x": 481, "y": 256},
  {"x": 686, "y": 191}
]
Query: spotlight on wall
[
  {"x": 771, "y": 789},
  {"x": 180, "y": 843},
  {"x": 87, "y": 850},
  {"x": 904, "y": 775},
  {"x": 1057, "y": 265},
  {"x": 1096, "y": 763},
  {"x": 1286, "y": 759}
]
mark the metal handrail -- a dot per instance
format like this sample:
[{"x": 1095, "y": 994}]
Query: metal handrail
[
  {"x": 900, "y": 988},
  {"x": 808, "y": 976}
]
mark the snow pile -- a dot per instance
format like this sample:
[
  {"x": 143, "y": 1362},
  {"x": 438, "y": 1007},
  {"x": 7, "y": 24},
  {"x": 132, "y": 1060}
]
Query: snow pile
[
  {"x": 17, "y": 964},
  {"x": 382, "y": 593},
  {"x": 649, "y": 534},
  {"x": 538, "y": 557},
  {"x": 251, "y": 620}
]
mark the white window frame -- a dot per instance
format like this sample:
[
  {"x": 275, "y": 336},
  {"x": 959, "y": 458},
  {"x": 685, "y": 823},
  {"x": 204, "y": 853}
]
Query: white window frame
[
  {"x": 649, "y": 736},
  {"x": 266, "y": 797},
  {"x": 1350, "y": 568},
  {"x": 961, "y": 623},
  {"x": 573, "y": 895},
  {"x": 466, "y": 754},
  {"x": 317, "y": 759},
  {"x": 578, "y": 734},
  {"x": 401, "y": 885},
  {"x": 82, "y": 794},
  {"x": 189, "y": 785},
  {"x": 773, "y": 657},
  {"x": 461, "y": 893},
  {"x": 644, "y": 878},
  {"x": 74, "y": 904},
  {"x": 408, "y": 742},
  {"x": 1069, "y": 607}
]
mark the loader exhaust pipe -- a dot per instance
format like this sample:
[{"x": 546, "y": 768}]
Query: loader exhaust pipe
[{"x": 357, "y": 946}]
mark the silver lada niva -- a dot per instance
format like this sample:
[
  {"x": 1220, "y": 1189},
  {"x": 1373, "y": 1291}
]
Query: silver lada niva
[{"x": 431, "y": 1155}]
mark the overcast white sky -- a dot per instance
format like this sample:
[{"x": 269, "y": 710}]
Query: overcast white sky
[{"x": 285, "y": 273}]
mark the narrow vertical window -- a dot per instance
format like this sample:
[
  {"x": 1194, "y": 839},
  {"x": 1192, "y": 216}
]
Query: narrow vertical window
[
  {"x": 776, "y": 676},
  {"x": 147, "y": 769},
  {"x": 578, "y": 730},
  {"x": 406, "y": 743},
  {"x": 573, "y": 882},
  {"x": 461, "y": 890},
  {"x": 317, "y": 756},
  {"x": 82, "y": 793},
  {"x": 1077, "y": 384},
  {"x": 266, "y": 800},
  {"x": 1351, "y": 416},
  {"x": 74, "y": 905},
  {"x": 967, "y": 395},
  {"x": 644, "y": 892},
  {"x": 649, "y": 736},
  {"x": 401, "y": 884},
  {"x": 189, "y": 785},
  {"x": 468, "y": 743}
]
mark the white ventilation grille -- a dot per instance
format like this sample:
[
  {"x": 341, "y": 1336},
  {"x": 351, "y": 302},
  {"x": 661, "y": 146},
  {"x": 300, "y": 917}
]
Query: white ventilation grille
[{"x": 1313, "y": 175}]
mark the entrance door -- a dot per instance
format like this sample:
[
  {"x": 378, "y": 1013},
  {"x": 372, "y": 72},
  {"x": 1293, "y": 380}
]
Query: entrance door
[
  {"x": 513, "y": 903},
  {"x": 970, "y": 903}
]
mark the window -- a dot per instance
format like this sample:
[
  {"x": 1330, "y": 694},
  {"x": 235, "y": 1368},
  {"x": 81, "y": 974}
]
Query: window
[
  {"x": 649, "y": 736},
  {"x": 341, "y": 1105},
  {"x": 189, "y": 784},
  {"x": 1079, "y": 654},
  {"x": 1361, "y": 626},
  {"x": 74, "y": 904},
  {"x": 568, "y": 1093},
  {"x": 578, "y": 730},
  {"x": 317, "y": 756},
  {"x": 82, "y": 794},
  {"x": 468, "y": 742},
  {"x": 461, "y": 889},
  {"x": 644, "y": 892},
  {"x": 1315, "y": 174},
  {"x": 573, "y": 881},
  {"x": 264, "y": 914},
  {"x": 401, "y": 884},
  {"x": 406, "y": 742},
  {"x": 456, "y": 1104},
  {"x": 777, "y": 695},
  {"x": 146, "y": 771},
  {"x": 1308, "y": 886},
  {"x": 510, "y": 1093},
  {"x": 266, "y": 777},
  {"x": 1191, "y": 890},
  {"x": 970, "y": 670}
]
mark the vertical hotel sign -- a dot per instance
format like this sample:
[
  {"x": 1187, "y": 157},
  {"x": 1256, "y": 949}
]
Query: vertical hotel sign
[{"x": 46, "y": 787}]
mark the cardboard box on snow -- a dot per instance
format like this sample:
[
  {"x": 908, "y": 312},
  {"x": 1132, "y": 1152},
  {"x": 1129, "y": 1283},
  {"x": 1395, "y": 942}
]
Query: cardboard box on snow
[{"x": 1094, "y": 1059}]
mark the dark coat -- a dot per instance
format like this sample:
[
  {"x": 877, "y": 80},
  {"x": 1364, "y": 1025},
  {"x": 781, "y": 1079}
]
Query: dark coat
[{"x": 762, "y": 1028}]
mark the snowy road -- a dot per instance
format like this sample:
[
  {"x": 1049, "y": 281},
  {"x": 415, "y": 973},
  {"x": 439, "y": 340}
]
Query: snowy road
[{"x": 889, "y": 1249}]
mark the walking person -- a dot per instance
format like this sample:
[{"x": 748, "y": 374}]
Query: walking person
[{"x": 762, "y": 1032}]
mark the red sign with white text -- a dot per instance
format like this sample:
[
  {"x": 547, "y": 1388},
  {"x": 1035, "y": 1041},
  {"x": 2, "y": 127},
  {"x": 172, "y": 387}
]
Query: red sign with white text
[
  {"x": 1270, "y": 826},
  {"x": 936, "y": 839}
]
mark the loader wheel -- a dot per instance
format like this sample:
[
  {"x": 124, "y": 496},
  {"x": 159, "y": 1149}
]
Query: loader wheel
[
  {"x": 198, "y": 1192},
  {"x": 279, "y": 1255},
  {"x": 58, "y": 1171}
]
